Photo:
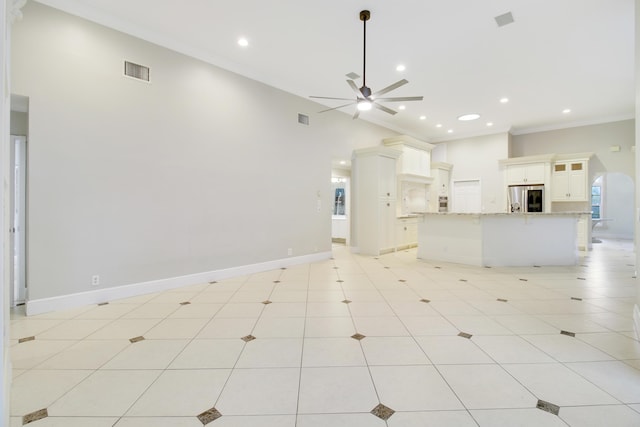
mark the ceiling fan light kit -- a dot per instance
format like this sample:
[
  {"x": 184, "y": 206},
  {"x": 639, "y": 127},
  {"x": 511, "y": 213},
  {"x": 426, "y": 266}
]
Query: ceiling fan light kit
[{"x": 365, "y": 98}]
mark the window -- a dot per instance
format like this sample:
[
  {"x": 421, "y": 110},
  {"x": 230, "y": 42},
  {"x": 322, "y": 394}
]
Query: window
[{"x": 596, "y": 200}]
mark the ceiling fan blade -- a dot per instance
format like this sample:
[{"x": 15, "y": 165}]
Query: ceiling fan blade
[
  {"x": 335, "y": 108},
  {"x": 328, "y": 97},
  {"x": 356, "y": 114},
  {"x": 401, "y": 98},
  {"x": 396, "y": 85},
  {"x": 383, "y": 108},
  {"x": 354, "y": 86}
]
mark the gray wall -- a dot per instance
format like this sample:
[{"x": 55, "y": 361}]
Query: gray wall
[
  {"x": 597, "y": 139},
  {"x": 199, "y": 170},
  {"x": 594, "y": 138}
]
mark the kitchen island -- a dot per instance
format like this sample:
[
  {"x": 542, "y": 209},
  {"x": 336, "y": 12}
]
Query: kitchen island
[{"x": 499, "y": 239}]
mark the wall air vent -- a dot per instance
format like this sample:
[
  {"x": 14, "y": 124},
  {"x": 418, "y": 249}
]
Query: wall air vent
[
  {"x": 136, "y": 71},
  {"x": 303, "y": 119}
]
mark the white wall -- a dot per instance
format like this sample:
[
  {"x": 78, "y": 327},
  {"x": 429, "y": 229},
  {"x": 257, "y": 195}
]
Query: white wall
[
  {"x": 198, "y": 171},
  {"x": 477, "y": 158},
  {"x": 636, "y": 312}
]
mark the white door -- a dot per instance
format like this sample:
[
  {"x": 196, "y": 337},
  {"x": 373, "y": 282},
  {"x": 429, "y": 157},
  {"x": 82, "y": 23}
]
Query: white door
[
  {"x": 18, "y": 207},
  {"x": 466, "y": 196}
]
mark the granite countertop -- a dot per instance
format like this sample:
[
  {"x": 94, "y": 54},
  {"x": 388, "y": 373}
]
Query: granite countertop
[{"x": 575, "y": 213}]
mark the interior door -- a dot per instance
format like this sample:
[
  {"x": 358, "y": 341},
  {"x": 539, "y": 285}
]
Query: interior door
[
  {"x": 17, "y": 219},
  {"x": 467, "y": 196}
]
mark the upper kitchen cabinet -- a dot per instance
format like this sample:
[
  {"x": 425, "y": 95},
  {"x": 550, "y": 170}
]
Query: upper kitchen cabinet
[
  {"x": 530, "y": 170},
  {"x": 526, "y": 174},
  {"x": 414, "y": 164},
  {"x": 570, "y": 178}
]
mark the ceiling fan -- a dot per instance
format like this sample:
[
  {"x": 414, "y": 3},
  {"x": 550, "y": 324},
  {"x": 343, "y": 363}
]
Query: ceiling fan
[{"x": 365, "y": 99}]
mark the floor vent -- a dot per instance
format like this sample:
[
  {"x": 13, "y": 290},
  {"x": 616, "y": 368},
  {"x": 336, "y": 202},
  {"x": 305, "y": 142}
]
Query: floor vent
[
  {"x": 303, "y": 119},
  {"x": 136, "y": 71}
]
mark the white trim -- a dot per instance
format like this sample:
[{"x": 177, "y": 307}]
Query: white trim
[
  {"x": 636, "y": 320},
  {"x": 65, "y": 302}
]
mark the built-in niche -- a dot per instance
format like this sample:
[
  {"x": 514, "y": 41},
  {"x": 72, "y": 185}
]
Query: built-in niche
[{"x": 415, "y": 197}]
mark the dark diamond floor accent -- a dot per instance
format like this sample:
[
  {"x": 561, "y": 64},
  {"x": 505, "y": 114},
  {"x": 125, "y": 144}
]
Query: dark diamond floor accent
[
  {"x": 383, "y": 412},
  {"x": 209, "y": 416},
  {"x": 425, "y": 300},
  {"x": 358, "y": 337},
  {"x": 212, "y": 283},
  {"x": 524, "y": 280},
  {"x": 136, "y": 339},
  {"x": 402, "y": 280},
  {"x": 465, "y": 335},
  {"x": 35, "y": 416},
  {"x": 576, "y": 299},
  {"x": 26, "y": 339},
  {"x": 437, "y": 267},
  {"x": 103, "y": 303},
  {"x": 548, "y": 407},
  {"x": 347, "y": 301},
  {"x": 536, "y": 266},
  {"x": 185, "y": 303},
  {"x": 339, "y": 281},
  {"x": 502, "y": 300},
  {"x": 581, "y": 278},
  {"x": 276, "y": 281},
  {"x": 569, "y": 334},
  {"x": 463, "y": 280},
  {"x": 248, "y": 338},
  {"x": 267, "y": 302}
]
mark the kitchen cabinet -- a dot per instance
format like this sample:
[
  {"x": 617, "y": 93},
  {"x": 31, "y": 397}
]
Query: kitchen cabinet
[
  {"x": 414, "y": 162},
  {"x": 373, "y": 209},
  {"x": 526, "y": 174},
  {"x": 441, "y": 173},
  {"x": 407, "y": 232},
  {"x": 569, "y": 181}
]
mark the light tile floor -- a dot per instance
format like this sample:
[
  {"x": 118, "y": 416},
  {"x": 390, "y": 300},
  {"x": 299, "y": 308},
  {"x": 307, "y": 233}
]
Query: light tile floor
[{"x": 435, "y": 343}]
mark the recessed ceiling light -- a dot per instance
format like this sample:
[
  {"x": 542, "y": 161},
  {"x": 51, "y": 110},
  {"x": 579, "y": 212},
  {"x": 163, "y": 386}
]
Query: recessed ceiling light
[
  {"x": 489, "y": 124},
  {"x": 450, "y": 131},
  {"x": 504, "y": 100},
  {"x": 343, "y": 162},
  {"x": 469, "y": 117},
  {"x": 439, "y": 125},
  {"x": 243, "y": 42},
  {"x": 401, "y": 67},
  {"x": 423, "y": 117},
  {"x": 402, "y": 107},
  {"x": 566, "y": 111}
]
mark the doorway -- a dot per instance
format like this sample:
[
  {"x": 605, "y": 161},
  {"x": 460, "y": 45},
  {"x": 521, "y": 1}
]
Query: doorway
[
  {"x": 18, "y": 219},
  {"x": 340, "y": 215}
]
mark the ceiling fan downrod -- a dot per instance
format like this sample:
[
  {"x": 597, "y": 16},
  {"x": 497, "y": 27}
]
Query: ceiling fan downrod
[{"x": 365, "y": 15}]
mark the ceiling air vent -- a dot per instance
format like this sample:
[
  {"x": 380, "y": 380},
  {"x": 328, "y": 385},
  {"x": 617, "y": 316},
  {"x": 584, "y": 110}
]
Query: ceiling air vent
[
  {"x": 136, "y": 71},
  {"x": 303, "y": 119},
  {"x": 504, "y": 19}
]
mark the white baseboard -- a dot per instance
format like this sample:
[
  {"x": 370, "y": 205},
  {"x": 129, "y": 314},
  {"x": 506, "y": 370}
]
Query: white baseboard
[
  {"x": 65, "y": 302},
  {"x": 636, "y": 320}
]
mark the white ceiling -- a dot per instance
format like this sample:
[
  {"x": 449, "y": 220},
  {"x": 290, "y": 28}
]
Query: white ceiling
[{"x": 558, "y": 54}]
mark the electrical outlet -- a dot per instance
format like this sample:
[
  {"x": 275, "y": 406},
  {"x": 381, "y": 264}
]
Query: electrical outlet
[
  {"x": 290, "y": 251},
  {"x": 95, "y": 280}
]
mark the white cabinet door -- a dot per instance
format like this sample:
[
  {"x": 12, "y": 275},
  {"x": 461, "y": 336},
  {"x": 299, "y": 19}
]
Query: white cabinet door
[
  {"x": 569, "y": 182},
  {"x": 525, "y": 174},
  {"x": 387, "y": 177},
  {"x": 387, "y": 225}
]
